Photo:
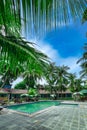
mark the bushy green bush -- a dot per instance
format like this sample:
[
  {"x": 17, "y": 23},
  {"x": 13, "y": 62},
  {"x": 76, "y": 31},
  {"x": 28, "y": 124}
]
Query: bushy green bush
[
  {"x": 20, "y": 85},
  {"x": 32, "y": 92}
]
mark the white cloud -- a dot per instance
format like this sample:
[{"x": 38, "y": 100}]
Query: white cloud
[
  {"x": 19, "y": 79},
  {"x": 54, "y": 55},
  {"x": 48, "y": 50},
  {"x": 42, "y": 81},
  {"x": 71, "y": 62}
]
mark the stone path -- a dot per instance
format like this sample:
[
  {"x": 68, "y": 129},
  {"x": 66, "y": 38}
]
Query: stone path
[{"x": 62, "y": 117}]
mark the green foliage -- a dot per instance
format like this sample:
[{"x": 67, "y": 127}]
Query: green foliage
[
  {"x": 51, "y": 77},
  {"x": 49, "y": 14},
  {"x": 20, "y": 85},
  {"x": 1, "y": 83},
  {"x": 9, "y": 17},
  {"x": 84, "y": 19},
  {"x": 75, "y": 84},
  {"x": 83, "y": 63},
  {"x": 62, "y": 80},
  {"x": 17, "y": 56},
  {"x": 57, "y": 78},
  {"x": 32, "y": 92},
  {"x": 30, "y": 79}
]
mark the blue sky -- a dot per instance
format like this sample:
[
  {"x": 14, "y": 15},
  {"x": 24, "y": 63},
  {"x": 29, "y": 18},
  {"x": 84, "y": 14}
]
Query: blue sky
[
  {"x": 65, "y": 45},
  {"x": 68, "y": 40}
]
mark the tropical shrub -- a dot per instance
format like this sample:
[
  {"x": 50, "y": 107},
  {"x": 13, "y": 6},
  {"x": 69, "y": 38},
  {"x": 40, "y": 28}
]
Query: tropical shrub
[
  {"x": 20, "y": 85},
  {"x": 32, "y": 92}
]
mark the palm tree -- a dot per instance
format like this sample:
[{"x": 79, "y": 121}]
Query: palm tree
[
  {"x": 83, "y": 61},
  {"x": 36, "y": 14},
  {"x": 16, "y": 54},
  {"x": 57, "y": 78},
  {"x": 49, "y": 14},
  {"x": 31, "y": 77},
  {"x": 62, "y": 78},
  {"x": 9, "y": 18},
  {"x": 75, "y": 84},
  {"x": 78, "y": 84},
  {"x": 72, "y": 79},
  {"x": 14, "y": 50},
  {"x": 51, "y": 77}
]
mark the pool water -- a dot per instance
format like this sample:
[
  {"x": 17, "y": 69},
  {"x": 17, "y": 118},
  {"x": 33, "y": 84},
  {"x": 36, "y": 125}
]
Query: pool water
[{"x": 33, "y": 107}]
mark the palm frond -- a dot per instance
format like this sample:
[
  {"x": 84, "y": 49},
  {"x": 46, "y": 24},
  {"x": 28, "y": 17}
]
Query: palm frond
[
  {"x": 50, "y": 14},
  {"x": 9, "y": 17},
  {"x": 83, "y": 73},
  {"x": 21, "y": 53},
  {"x": 84, "y": 18}
]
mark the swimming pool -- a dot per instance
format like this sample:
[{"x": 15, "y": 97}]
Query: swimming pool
[{"x": 33, "y": 107}]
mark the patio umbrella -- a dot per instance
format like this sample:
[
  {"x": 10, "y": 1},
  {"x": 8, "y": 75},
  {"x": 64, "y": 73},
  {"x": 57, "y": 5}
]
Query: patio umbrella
[
  {"x": 31, "y": 96},
  {"x": 81, "y": 93},
  {"x": 84, "y": 91},
  {"x": 24, "y": 95},
  {"x": 78, "y": 93}
]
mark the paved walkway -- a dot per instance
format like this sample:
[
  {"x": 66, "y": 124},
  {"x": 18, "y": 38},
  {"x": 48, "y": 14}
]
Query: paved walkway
[{"x": 62, "y": 117}]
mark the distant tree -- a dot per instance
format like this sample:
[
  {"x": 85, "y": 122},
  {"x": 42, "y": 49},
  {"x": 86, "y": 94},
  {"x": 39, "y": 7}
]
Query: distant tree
[
  {"x": 57, "y": 78},
  {"x": 62, "y": 78},
  {"x": 83, "y": 63},
  {"x": 72, "y": 78},
  {"x": 51, "y": 77},
  {"x": 31, "y": 77},
  {"x": 75, "y": 84},
  {"x": 78, "y": 84},
  {"x": 20, "y": 85}
]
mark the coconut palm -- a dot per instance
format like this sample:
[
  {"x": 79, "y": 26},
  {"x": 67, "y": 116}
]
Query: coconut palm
[
  {"x": 83, "y": 59},
  {"x": 62, "y": 78},
  {"x": 30, "y": 78},
  {"x": 14, "y": 50},
  {"x": 49, "y": 14},
  {"x": 57, "y": 78},
  {"x": 36, "y": 14},
  {"x": 83, "y": 63},
  {"x": 51, "y": 77},
  {"x": 79, "y": 85},
  {"x": 9, "y": 18},
  {"x": 16, "y": 54},
  {"x": 10, "y": 31},
  {"x": 38, "y": 11},
  {"x": 75, "y": 84},
  {"x": 72, "y": 79}
]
